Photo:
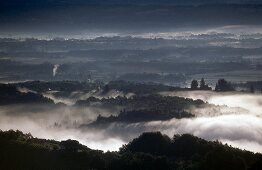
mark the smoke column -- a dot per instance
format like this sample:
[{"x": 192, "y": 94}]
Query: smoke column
[{"x": 56, "y": 66}]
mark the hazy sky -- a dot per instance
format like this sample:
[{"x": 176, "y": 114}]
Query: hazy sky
[{"x": 116, "y": 15}]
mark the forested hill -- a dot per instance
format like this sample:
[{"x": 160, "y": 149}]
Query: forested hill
[
  {"x": 9, "y": 94},
  {"x": 148, "y": 151}
]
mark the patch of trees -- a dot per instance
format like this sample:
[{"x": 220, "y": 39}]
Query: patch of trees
[
  {"x": 150, "y": 151},
  {"x": 250, "y": 86},
  {"x": 202, "y": 86},
  {"x": 144, "y": 107},
  {"x": 151, "y": 101},
  {"x": 135, "y": 116},
  {"x": 223, "y": 86}
]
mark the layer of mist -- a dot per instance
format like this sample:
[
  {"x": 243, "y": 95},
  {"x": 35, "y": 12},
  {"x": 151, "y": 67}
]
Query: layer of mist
[{"x": 237, "y": 122}]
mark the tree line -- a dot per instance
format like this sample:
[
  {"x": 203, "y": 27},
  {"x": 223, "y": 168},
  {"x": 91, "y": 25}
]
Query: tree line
[{"x": 150, "y": 151}]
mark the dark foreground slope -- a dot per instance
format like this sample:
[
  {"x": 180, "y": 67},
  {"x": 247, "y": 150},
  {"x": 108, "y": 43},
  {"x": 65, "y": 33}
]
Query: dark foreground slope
[
  {"x": 9, "y": 94},
  {"x": 149, "y": 151}
]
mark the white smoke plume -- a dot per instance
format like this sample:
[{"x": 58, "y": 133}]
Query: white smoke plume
[{"x": 56, "y": 66}]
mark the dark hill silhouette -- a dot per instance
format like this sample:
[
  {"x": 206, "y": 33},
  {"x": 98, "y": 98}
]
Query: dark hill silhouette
[
  {"x": 148, "y": 151},
  {"x": 10, "y": 95},
  {"x": 193, "y": 152}
]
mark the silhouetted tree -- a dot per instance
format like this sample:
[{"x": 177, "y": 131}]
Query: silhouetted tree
[
  {"x": 202, "y": 83},
  {"x": 194, "y": 84},
  {"x": 216, "y": 87},
  {"x": 223, "y": 85},
  {"x": 252, "y": 89}
]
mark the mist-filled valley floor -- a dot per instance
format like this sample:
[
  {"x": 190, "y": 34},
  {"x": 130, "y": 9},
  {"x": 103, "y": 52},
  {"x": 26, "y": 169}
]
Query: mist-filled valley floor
[{"x": 106, "y": 116}]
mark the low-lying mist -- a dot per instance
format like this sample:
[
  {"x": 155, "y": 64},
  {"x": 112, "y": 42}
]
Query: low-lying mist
[
  {"x": 237, "y": 122},
  {"x": 58, "y": 123},
  {"x": 248, "y": 101}
]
